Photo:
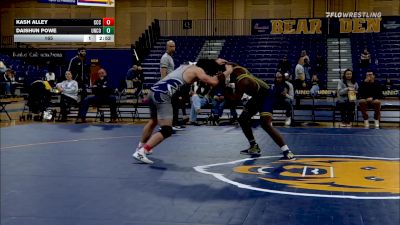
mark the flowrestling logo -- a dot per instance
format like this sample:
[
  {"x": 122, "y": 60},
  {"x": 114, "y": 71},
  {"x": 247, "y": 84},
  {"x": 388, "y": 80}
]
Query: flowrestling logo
[
  {"x": 353, "y": 14},
  {"x": 333, "y": 176}
]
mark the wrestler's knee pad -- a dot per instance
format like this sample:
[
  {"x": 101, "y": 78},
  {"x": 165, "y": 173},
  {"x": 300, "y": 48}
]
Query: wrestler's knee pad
[{"x": 166, "y": 131}]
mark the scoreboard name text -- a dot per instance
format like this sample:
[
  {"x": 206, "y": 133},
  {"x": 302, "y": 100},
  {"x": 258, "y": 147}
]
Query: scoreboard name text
[{"x": 35, "y": 22}]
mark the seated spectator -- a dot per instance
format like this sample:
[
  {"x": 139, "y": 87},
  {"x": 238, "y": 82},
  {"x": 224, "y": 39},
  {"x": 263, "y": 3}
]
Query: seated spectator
[
  {"x": 284, "y": 93},
  {"x": 135, "y": 74},
  {"x": 365, "y": 59},
  {"x": 218, "y": 103},
  {"x": 347, "y": 89},
  {"x": 370, "y": 92},
  {"x": 284, "y": 66},
  {"x": 288, "y": 78},
  {"x": 9, "y": 82},
  {"x": 199, "y": 99},
  {"x": 69, "y": 94},
  {"x": 314, "y": 85},
  {"x": 103, "y": 95}
]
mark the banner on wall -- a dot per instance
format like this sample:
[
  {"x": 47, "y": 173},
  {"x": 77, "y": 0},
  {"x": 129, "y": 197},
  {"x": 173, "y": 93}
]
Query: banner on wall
[
  {"x": 288, "y": 26},
  {"x": 354, "y": 25},
  {"x": 390, "y": 24},
  {"x": 260, "y": 26},
  {"x": 321, "y": 25}
]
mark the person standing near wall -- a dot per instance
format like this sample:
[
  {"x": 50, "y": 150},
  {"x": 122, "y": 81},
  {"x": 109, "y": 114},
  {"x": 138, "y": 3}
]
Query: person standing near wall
[
  {"x": 80, "y": 71},
  {"x": 167, "y": 65}
]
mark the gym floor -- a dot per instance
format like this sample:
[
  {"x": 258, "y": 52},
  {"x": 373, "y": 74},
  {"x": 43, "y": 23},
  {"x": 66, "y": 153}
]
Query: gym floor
[{"x": 84, "y": 174}]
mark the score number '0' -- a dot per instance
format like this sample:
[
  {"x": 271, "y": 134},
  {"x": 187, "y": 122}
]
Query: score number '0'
[{"x": 106, "y": 22}]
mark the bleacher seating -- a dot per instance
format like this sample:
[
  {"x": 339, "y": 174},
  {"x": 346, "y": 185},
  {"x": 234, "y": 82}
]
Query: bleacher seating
[
  {"x": 260, "y": 54},
  {"x": 385, "y": 54},
  {"x": 25, "y": 73},
  {"x": 187, "y": 49}
]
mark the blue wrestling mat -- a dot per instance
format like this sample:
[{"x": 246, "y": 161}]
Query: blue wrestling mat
[{"x": 71, "y": 174}]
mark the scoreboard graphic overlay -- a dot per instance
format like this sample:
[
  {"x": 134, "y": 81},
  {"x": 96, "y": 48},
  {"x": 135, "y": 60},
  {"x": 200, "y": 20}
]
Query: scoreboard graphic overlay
[{"x": 64, "y": 30}]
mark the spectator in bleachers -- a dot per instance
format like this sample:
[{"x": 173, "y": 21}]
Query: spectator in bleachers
[
  {"x": 288, "y": 78},
  {"x": 307, "y": 68},
  {"x": 69, "y": 94},
  {"x": 80, "y": 71},
  {"x": 346, "y": 98},
  {"x": 365, "y": 59},
  {"x": 314, "y": 83},
  {"x": 306, "y": 64},
  {"x": 319, "y": 65},
  {"x": 299, "y": 70},
  {"x": 284, "y": 66},
  {"x": 370, "y": 93},
  {"x": 300, "y": 84},
  {"x": 199, "y": 99},
  {"x": 304, "y": 55},
  {"x": 284, "y": 93},
  {"x": 103, "y": 95}
]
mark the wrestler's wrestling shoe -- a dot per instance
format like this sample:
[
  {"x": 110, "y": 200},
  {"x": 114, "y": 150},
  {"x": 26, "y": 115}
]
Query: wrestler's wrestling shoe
[
  {"x": 141, "y": 156},
  {"x": 147, "y": 152},
  {"x": 254, "y": 151},
  {"x": 287, "y": 155}
]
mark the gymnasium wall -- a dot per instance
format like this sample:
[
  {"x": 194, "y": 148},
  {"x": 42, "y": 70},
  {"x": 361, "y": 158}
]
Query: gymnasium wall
[{"x": 134, "y": 16}]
